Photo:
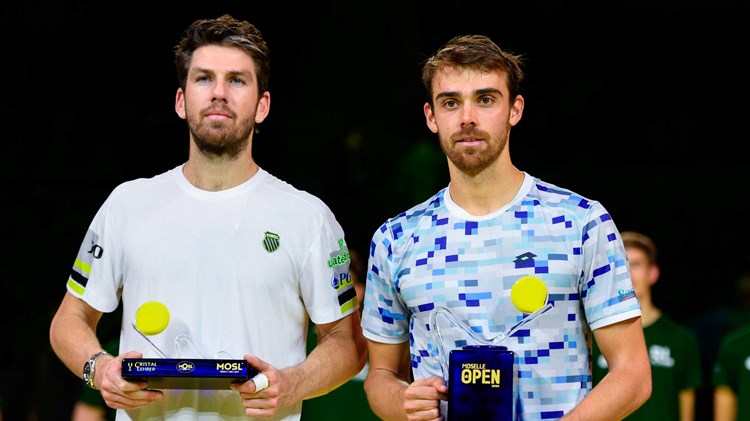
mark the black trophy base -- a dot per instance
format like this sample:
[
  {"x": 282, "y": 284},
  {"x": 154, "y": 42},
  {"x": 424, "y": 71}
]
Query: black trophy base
[{"x": 187, "y": 373}]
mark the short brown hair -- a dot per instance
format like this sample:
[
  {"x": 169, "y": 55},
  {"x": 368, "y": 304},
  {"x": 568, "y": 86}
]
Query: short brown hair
[
  {"x": 640, "y": 241},
  {"x": 229, "y": 32},
  {"x": 474, "y": 52}
]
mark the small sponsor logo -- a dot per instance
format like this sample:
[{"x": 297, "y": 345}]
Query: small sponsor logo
[
  {"x": 625, "y": 294},
  {"x": 96, "y": 251},
  {"x": 185, "y": 366},
  {"x": 228, "y": 366},
  {"x": 341, "y": 280},
  {"x": 340, "y": 258}
]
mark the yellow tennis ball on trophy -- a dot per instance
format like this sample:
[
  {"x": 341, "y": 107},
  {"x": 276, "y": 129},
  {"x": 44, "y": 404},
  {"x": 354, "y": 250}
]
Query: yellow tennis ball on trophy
[
  {"x": 528, "y": 294},
  {"x": 152, "y": 317}
]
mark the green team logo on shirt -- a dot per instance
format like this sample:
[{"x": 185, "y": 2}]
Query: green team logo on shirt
[{"x": 271, "y": 242}]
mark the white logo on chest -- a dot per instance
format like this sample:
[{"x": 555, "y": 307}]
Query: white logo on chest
[{"x": 661, "y": 356}]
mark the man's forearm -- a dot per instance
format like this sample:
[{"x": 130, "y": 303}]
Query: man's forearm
[
  {"x": 616, "y": 396},
  {"x": 336, "y": 359},
  {"x": 72, "y": 336},
  {"x": 385, "y": 393}
]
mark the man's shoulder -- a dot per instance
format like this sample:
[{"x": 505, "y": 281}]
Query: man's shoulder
[
  {"x": 413, "y": 217},
  {"x": 738, "y": 338},
  {"x": 143, "y": 184},
  {"x": 550, "y": 194},
  {"x": 671, "y": 327},
  {"x": 291, "y": 197}
]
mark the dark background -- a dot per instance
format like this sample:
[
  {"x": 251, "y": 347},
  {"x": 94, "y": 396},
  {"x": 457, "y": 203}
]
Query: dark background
[{"x": 641, "y": 105}]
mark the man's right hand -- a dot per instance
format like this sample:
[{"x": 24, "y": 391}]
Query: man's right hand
[
  {"x": 118, "y": 392},
  {"x": 422, "y": 399}
]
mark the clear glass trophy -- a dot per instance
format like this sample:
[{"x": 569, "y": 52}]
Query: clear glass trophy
[
  {"x": 184, "y": 367},
  {"x": 481, "y": 372}
]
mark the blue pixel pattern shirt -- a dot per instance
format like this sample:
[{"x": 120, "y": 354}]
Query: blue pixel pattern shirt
[{"x": 436, "y": 255}]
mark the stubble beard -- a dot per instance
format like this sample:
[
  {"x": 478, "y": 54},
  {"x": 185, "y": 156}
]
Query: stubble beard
[
  {"x": 221, "y": 139},
  {"x": 473, "y": 161}
]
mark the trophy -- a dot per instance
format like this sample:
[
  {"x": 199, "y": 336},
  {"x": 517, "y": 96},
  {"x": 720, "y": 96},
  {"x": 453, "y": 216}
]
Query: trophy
[
  {"x": 481, "y": 374},
  {"x": 183, "y": 370}
]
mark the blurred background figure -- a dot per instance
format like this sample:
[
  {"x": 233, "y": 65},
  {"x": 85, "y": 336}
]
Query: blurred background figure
[
  {"x": 731, "y": 377},
  {"x": 712, "y": 326},
  {"x": 672, "y": 348}
]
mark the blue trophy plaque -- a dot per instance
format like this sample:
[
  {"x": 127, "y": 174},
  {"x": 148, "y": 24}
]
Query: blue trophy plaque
[{"x": 482, "y": 384}]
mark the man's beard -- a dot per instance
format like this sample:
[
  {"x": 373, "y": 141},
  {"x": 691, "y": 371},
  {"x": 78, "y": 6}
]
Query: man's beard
[
  {"x": 475, "y": 160},
  {"x": 221, "y": 139}
]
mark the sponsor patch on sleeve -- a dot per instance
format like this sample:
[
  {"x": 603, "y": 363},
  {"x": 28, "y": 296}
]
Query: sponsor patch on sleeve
[{"x": 90, "y": 250}]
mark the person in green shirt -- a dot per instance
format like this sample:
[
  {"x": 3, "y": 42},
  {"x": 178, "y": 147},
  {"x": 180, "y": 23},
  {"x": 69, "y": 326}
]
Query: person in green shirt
[
  {"x": 731, "y": 377},
  {"x": 672, "y": 347}
]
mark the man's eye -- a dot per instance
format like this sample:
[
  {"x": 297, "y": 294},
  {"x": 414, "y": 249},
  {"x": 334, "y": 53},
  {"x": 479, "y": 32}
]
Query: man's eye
[
  {"x": 237, "y": 81},
  {"x": 450, "y": 103},
  {"x": 202, "y": 78},
  {"x": 486, "y": 100}
]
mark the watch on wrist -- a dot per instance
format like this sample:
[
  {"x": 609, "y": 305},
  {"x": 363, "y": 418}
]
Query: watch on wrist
[{"x": 89, "y": 367}]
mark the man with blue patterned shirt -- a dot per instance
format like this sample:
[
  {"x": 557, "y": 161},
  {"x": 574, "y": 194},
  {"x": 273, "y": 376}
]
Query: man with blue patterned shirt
[{"x": 464, "y": 248}]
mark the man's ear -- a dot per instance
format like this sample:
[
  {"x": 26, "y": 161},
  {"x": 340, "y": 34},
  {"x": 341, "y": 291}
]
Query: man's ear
[
  {"x": 264, "y": 107},
  {"x": 179, "y": 104},
  {"x": 516, "y": 110},
  {"x": 430, "y": 117},
  {"x": 653, "y": 274}
]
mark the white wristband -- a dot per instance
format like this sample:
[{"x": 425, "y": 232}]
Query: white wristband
[{"x": 261, "y": 382}]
